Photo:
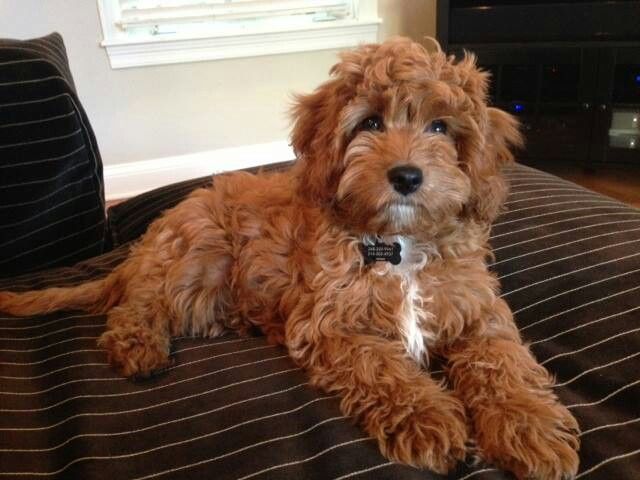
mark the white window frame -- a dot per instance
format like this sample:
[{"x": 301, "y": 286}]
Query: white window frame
[{"x": 126, "y": 51}]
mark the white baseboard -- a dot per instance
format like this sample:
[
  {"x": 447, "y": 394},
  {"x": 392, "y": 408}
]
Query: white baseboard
[{"x": 128, "y": 179}]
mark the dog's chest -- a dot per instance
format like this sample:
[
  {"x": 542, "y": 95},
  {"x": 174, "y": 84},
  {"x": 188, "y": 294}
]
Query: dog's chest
[
  {"x": 414, "y": 318},
  {"x": 413, "y": 321}
]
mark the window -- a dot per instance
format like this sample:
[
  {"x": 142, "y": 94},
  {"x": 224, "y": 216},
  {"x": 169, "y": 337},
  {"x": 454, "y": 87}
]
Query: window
[{"x": 152, "y": 32}]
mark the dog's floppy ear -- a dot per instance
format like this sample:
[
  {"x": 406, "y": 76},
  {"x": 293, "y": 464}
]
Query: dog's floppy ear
[
  {"x": 489, "y": 187},
  {"x": 317, "y": 137},
  {"x": 316, "y": 140},
  {"x": 503, "y": 135}
]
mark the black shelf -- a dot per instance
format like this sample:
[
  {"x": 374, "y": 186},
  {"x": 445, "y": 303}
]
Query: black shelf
[{"x": 571, "y": 74}]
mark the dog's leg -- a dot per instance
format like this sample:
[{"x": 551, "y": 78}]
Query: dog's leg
[
  {"x": 519, "y": 423},
  {"x": 185, "y": 298},
  {"x": 414, "y": 420}
]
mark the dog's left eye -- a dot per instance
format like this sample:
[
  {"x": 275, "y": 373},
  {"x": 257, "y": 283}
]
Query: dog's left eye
[
  {"x": 372, "y": 124},
  {"x": 437, "y": 126}
]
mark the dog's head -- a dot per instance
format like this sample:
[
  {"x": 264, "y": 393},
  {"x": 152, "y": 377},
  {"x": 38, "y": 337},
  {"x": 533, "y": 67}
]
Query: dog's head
[{"x": 400, "y": 139}]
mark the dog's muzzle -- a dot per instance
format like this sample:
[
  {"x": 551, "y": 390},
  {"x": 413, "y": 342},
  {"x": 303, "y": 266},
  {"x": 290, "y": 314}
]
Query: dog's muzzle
[{"x": 405, "y": 179}]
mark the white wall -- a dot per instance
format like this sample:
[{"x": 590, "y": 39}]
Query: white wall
[{"x": 152, "y": 112}]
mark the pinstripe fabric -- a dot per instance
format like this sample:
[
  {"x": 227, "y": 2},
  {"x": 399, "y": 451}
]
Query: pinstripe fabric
[
  {"x": 239, "y": 409},
  {"x": 51, "y": 192}
]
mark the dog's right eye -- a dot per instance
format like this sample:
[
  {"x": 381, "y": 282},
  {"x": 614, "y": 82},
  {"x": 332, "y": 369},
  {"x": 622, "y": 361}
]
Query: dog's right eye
[{"x": 372, "y": 124}]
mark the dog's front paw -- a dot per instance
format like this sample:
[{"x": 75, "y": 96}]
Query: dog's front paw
[
  {"x": 534, "y": 438},
  {"x": 433, "y": 435}
]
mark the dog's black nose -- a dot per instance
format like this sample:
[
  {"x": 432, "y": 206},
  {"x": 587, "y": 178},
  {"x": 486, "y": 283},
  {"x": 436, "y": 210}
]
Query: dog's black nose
[{"x": 405, "y": 179}]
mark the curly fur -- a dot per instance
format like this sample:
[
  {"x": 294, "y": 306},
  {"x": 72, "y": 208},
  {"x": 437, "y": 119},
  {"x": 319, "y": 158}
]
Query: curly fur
[{"x": 280, "y": 252}]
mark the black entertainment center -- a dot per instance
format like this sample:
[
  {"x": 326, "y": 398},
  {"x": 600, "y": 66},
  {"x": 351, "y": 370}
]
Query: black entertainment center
[{"x": 569, "y": 70}]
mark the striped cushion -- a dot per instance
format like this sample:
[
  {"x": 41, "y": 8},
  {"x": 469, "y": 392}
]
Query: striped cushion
[
  {"x": 238, "y": 408},
  {"x": 51, "y": 193}
]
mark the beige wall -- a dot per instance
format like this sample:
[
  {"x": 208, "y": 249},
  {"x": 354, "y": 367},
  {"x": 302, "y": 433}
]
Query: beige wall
[
  {"x": 152, "y": 112},
  {"x": 410, "y": 18}
]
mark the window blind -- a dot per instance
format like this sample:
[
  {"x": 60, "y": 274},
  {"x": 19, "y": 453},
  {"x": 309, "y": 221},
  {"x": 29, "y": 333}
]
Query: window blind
[{"x": 149, "y": 13}]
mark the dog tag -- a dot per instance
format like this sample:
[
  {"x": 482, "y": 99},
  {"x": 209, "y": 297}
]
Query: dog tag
[{"x": 381, "y": 252}]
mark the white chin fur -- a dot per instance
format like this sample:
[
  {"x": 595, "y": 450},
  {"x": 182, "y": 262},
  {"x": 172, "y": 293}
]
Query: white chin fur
[{"x": 401, "y": 215}]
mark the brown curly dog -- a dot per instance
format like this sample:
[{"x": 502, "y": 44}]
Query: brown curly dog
[{"x": 365, "y": 259}]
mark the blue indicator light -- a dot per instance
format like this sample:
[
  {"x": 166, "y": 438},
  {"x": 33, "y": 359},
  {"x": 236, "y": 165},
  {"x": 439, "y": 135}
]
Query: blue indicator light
[
  {"x": 518, "y": 107},
  {"x": 638, "y": 79}
]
